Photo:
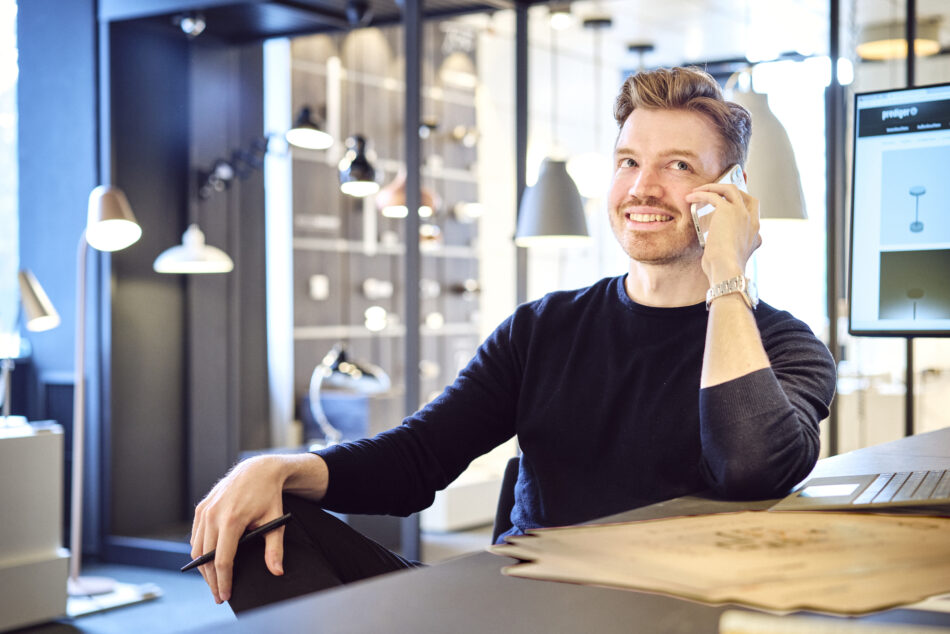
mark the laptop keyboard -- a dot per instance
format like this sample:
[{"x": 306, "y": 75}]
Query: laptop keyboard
[{"x": 910, "y": 486}]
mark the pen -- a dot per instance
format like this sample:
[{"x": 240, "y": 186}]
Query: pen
[{"x": 260, "y": 530}]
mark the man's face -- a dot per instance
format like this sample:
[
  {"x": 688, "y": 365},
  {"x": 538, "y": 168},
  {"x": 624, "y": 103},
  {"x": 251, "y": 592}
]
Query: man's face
[{"x": 660, "y": 157}]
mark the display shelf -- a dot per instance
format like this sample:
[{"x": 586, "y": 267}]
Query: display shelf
[
  {"x": 339, "y": 245},
  {"x": 345, "y": 331}
]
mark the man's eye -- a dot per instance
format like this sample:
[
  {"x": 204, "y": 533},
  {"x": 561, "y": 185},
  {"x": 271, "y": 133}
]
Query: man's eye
[
  {"x": 628, "y": 162},
  {"x": 681, "y": 165}
]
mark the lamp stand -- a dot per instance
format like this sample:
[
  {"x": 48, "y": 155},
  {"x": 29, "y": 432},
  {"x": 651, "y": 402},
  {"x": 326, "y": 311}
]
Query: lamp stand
[{"x": 89, "y": 594}]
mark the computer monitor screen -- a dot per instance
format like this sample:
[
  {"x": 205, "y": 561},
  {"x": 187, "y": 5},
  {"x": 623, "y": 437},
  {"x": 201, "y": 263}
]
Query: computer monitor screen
[{"x": 899, "y": 282}]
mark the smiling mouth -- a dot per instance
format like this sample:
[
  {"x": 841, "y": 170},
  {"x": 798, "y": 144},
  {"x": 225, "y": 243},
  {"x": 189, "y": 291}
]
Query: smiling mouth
[{"x": 649, "y": 217}]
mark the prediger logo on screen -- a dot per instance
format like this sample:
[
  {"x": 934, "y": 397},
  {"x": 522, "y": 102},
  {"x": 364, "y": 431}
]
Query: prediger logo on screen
[{"x": 898, "y": 113}]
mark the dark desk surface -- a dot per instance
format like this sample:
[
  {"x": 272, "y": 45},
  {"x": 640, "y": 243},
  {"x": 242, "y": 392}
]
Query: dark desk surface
[{"x": 469, "y": 594}]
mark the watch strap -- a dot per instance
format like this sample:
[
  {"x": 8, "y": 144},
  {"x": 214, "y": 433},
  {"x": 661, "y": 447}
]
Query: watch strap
[{"x": 738, "y": 284}]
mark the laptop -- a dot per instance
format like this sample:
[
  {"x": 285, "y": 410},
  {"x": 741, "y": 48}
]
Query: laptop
[{"x": 925, "y": 492}]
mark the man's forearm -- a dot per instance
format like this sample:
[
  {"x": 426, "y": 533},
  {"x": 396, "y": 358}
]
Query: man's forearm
[{"x": 733, "y": 343}]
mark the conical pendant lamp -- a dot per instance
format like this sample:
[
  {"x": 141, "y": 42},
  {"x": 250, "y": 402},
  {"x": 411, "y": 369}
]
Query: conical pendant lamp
[{"x": 551, "y": 212}]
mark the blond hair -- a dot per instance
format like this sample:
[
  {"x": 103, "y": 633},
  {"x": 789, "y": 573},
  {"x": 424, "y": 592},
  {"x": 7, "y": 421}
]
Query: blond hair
[{"x": 689, "y": 89}]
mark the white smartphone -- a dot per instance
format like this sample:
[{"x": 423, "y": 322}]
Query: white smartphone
[{"x": 732, "y": 175}]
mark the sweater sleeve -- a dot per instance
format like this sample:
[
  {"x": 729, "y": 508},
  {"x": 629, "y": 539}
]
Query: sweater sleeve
[
  {"x": 399, "y": 471},
  {"x": 760, "y": 432}
]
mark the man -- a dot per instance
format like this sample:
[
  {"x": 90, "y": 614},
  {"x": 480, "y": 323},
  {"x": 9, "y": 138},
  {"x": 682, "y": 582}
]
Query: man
[{"x": 631, "y": 391}]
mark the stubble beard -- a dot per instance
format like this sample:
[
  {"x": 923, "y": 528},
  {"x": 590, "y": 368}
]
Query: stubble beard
[{"x": 653, "y": 248}]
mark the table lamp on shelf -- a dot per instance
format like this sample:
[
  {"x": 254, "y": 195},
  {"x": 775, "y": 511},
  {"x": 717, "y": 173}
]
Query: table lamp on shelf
[
  {"x": 38, "y": 314},
  {"x": 339, "y": 372}
]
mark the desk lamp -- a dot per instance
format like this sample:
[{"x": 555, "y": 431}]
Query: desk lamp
[
  {"x": 339, "y": 372},
  {"x": 40, "y": 315}
]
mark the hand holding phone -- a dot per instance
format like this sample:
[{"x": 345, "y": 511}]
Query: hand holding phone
[{"x": 732, "y": 176}]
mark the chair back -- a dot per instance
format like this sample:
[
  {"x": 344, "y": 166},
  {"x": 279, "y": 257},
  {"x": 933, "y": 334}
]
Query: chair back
[{"x": 506, "y": 499}]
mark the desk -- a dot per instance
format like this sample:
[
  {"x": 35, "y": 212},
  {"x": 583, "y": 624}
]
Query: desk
[{"x": 469, "y": 594}]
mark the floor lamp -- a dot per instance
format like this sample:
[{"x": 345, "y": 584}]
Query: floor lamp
[
  {"x": 38, "y": 314},
  {"x": 110, "y": 226}
]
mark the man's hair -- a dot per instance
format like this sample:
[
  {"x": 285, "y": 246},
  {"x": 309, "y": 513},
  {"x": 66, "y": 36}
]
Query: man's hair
[{"x": 693, "y": 90}]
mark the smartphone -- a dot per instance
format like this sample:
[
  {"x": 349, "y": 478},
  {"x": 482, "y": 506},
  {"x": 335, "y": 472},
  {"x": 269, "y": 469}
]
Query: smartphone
[{"x": 732, "y": 175}]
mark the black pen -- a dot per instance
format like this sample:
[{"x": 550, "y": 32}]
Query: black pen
[{"x": 260, "y": 530}]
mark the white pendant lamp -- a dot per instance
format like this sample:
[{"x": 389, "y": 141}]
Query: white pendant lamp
[
  {"x": 193, "y": 256},
  {"x": 771, "y": 161}
]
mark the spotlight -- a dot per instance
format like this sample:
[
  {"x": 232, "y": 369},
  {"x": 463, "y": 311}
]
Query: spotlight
[{"x": 191, "y": 24}]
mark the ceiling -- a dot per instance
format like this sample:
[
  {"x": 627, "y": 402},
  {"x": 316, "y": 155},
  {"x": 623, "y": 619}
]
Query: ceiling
[
  {"x": 680, "y": 31},
  {"x": 685, "y": 31}
]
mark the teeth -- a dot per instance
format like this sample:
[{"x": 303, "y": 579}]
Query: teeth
[{"x": 649, "y": 218}]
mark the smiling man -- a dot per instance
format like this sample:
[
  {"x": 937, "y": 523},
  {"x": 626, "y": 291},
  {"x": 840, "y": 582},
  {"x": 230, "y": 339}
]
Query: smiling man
[{"x": 668, "y": 380}]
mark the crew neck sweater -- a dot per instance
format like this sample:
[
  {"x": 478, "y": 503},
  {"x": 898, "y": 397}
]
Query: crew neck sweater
[{"x": 604, "y": 397}]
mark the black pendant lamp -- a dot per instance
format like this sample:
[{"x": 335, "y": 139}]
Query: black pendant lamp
[{"x": 357, "y": 174}]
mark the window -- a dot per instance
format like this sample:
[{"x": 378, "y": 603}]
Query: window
[{"x": 9, "y": 253}]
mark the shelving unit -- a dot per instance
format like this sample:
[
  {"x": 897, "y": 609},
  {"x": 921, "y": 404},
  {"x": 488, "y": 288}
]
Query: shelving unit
[{"x": 346, "y": 241}]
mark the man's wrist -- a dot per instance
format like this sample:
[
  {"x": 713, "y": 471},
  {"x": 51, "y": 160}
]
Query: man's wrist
[{"x": 739, "y": 285}]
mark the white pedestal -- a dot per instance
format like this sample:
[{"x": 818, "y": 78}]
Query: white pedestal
[{"x": 33, "y": 564}]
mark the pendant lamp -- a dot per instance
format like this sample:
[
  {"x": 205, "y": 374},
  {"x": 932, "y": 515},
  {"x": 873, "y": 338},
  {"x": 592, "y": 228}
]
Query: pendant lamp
[
  {"x": 307, "y": 132},
  {"x": 888, "y": 40},
  {"x": 771, "y": 161},
  {"x": 193, "y": 256},
  {"x": 391, "y": 200},
  {"x": 357, "y": 174},
  {"x": 551, "y": 212}
]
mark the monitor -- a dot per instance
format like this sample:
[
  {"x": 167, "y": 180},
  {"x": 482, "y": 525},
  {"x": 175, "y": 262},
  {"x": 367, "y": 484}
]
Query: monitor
[{"x": 899, "y": 273}]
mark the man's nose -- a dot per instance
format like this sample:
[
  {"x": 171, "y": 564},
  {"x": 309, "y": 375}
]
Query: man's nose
[{"x": 646, "y": 185}]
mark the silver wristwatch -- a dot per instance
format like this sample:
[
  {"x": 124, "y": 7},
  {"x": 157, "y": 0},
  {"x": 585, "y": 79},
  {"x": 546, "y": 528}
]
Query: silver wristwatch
[{"x": 739, "y": 284}]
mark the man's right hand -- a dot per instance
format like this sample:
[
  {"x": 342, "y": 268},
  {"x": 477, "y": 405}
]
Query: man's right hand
[{"x": 248, "y": 496}]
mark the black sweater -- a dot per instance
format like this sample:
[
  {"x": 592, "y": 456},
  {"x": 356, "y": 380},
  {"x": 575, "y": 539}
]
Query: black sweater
[{"x": 604, "y": 396}]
